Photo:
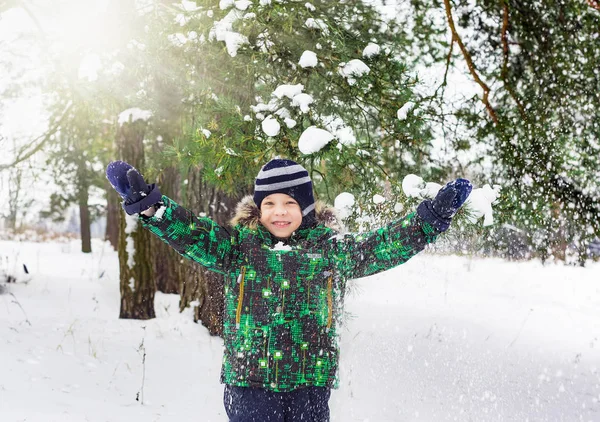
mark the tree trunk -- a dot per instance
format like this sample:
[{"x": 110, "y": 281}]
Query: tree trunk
[
  {"x": 135, "y": 258},
  {"x": 84, "y": 220},
  {"x": 112, "y": 216},
  {"x": 135, "y": 270},
  {"x": 14, "y": 188}
]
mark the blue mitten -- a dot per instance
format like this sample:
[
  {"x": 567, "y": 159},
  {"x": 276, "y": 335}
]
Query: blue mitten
[
  {"x": 137, "y": 195},
  {"x": 439, "y": 211}
]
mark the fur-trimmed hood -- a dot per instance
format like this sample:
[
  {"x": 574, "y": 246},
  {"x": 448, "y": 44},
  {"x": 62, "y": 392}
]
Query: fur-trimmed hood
[{"x": 247, "y": 214}]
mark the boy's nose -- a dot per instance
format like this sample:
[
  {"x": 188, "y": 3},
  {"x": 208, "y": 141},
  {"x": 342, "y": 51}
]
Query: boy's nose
[{"x": 280, "y": 211}]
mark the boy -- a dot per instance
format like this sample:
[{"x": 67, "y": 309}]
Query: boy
[{"x": 285, "y": 268}]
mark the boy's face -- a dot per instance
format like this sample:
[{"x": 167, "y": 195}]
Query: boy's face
[{"x": 280, "y": 214}]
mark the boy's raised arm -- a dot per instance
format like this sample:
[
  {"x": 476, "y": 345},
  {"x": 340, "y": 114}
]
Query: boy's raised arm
[
  {"x": 199, "y": 239},
  {"x": 369, "y": 253}
]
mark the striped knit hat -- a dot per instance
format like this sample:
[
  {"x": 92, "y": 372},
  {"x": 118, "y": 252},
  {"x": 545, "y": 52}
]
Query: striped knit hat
[{"x": 285, "y": 176}]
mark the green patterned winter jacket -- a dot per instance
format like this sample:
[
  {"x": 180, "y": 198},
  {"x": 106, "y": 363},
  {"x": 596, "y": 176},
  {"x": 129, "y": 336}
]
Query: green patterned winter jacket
[{"x": 283, "y": 302}]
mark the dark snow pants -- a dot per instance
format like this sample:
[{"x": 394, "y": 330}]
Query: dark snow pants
[{"x": 245, "y": 404}]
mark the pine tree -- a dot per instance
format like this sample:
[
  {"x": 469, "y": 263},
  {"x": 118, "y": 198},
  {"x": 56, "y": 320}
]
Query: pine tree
[{"x": 536, "y": 65}]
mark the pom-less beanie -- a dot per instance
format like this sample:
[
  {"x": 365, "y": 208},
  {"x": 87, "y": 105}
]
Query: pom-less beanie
[{"x": 285, "y": 176}]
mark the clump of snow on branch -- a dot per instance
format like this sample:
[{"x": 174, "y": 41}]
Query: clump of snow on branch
[
  {"x": 336, "y": 125},
  {"x": 270, "y": 126},
  {"x": 223, "y": 31},
  {"x": 403, "y": 111},
  {"x": 343, "y": 203},
  {"x": 302, "y": 101},
  {"x": 188, "y": 6},
  {"x": 319, "y": 24},
  {"x": 133, "y": 114},
  {"x": 289, "y": 91},
  {"x": 242, "y": 4},
  {"x": 308, "y": 59},
  {"x": 353, "y": 69},
  {"x": 225, "y": 4},
  {"x": 313, "y": 139},
  {"x": 371, "y": 50},
  {"x": 271, "y": 111}
]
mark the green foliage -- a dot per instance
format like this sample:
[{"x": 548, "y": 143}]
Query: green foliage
[
  {"x": 541, "y": 61},
  {"x": 231, "y": 95}
]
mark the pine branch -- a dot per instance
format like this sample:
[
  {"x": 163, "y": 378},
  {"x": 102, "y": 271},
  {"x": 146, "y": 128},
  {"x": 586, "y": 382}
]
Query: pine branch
[
  {"x": 505, "y": 51},
  {"x": 470, "y": 64}
]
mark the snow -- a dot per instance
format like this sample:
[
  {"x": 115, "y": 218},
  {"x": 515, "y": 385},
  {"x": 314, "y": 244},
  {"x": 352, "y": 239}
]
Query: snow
[
  {"x": 378, "y": 199},
  {"x": 206, "y": 133},
  {"x": 353, "y": 69},
  {"x": 225, "y": 4},
  {"x": 280, "y": 246},
  {"x": 440, "y": 338},
  {"x": 343, "y": 203},
  {"x": 412, "y": 185},
  {"x": 234, "y": 41},
  {"x": 431, "y": 190},
  {"x": 371, "y": 50},
  {"x": 160, "y": 212},
  {"x": 343, "y": 133},
  {"x": 479, "y": 204},
  {"x": 313, "y": 139},
  {"x": 289, "y": 91},
  {"x": 189, "y": 6},
  {"x": 303, "y": 101},
  {"x": 310, "y": 7},
  {"x": 403, "y": 111},
  {"x": 319, "y": 24},
  {"x": 131, "y": 224},
  {"x": 270, "y": 126},
  {"x": 223, "y": 31},
  {"x": 133, "y": 114},
  {"x": 308, "y": 59},
  {"x": 242, "y": 4}
]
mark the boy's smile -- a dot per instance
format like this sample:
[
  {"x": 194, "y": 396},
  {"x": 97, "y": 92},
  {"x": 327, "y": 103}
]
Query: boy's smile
[{"x": 280, "y": 214}]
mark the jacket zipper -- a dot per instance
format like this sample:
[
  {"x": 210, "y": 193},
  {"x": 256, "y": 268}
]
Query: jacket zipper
[
  {"x": 238, "y": 314},
  {"x": 329, "y": 301}
]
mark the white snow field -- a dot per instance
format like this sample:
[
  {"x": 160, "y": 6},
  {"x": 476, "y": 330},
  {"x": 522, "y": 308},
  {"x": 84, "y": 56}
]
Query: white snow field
[{"x": 440, "y": 338}]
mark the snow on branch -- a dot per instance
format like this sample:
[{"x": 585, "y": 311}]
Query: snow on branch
[{"x": 133, "y": 114}]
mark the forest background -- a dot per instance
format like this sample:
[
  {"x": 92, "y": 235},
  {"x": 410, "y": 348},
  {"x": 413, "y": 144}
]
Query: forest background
[{"x": 199, "y": 94}]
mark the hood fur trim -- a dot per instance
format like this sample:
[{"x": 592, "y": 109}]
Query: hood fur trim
[{"x": 247, "y": 214}]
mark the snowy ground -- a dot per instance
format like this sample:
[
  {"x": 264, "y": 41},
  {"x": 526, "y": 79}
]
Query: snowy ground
[{"x": 437, "y": 339}]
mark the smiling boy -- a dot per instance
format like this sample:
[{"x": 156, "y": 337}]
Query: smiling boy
[{"x": 283, "y": 306}]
